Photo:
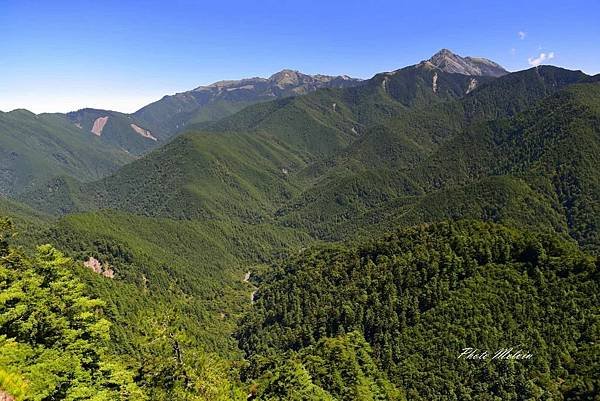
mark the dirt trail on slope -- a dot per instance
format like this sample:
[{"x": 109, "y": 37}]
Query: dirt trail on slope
[{"x": 246, "y": 279}]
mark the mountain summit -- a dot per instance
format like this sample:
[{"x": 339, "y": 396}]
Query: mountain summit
[
  {"x": 296, "y": 78},
  {"x": 294, "y": 81},
  {"x": 223, "y": 98},
  {"x": 447, "y": 61}
]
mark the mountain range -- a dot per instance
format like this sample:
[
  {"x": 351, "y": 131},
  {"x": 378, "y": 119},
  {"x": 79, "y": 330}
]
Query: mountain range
[
  {"x": 209, "y": 103},
  {"x": 326, "y": 238},
  {"x": 127, "y": 136},
  {"x": 113, "y": 139}
]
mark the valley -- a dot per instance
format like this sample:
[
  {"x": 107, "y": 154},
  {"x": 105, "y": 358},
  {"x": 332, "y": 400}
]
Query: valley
[{"x": 310, "y": 237}]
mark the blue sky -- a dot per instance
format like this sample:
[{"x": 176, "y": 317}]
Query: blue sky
[{"x": 64, "y": 55}]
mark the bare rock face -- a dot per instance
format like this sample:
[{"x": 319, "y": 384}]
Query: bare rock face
[
  {"x": 143, "y": 132},
  {"x": 108, "y": 272},
  {"x": 447, "y": 61},
  {"x": 472, "y": 85},
  {"x": 287, "y": 78},
  {"x": 283, "y": 83},
  {"x": 99, "y": 124},
  {"x": 94, "y": 265},
  {"x": 4, "y": 396}
]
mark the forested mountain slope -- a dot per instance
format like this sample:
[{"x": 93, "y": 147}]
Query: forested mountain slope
[
  {"x": 53, "y": 341},
  {"x": 197, "y": 175},
  {"x": 390, "y": 115},
  {"x": 35, "y": 148},
  {"x": 421, "y": 295},
  {"x": 311, "y": 147},
  {"x": 88, "y": 144},
  {"x": 554, "y": 146},
  {"x": 178, "y": 241},
  {"x": 171, "y": 114},
  {"x": 117, "y": 129},
  {"x": 381, "y": 168},
  {"x": 57, "y": 342}
]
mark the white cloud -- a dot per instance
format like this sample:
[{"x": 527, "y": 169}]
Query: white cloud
[
  {"x": 513, "y": 51},
  {"x": 540, "y": 59},
  {"x": 522, "y": 34}
]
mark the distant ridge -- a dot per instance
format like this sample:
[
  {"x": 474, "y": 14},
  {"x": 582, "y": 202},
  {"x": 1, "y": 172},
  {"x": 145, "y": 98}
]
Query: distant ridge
[
  {"x": 293, "y": 80},
  {"x": 170, "y": 114}
]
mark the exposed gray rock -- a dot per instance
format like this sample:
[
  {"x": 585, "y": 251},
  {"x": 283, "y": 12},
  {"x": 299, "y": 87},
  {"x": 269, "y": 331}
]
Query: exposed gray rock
[{"x": 447, "y": 61}]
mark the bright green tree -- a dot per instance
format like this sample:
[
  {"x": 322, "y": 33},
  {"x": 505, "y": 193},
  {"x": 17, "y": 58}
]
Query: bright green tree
[{"x": 53, "y": 338}]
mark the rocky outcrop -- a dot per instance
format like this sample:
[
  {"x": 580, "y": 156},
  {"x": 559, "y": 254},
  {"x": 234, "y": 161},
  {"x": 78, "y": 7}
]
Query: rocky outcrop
[
  {"x": 282, "y": 83},
  {"x": 447, "y": 61},
  {"x": 143, "y": 132},
  {"x": 4, "y": 396},
  {"x": 104, "y": 269},
  {"x": 472, "y": 85}
]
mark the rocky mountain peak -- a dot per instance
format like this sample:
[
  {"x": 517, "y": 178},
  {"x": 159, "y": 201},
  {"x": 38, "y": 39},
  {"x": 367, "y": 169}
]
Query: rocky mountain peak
[
  {"x": 284, "y": 79},
  {"x": 287, "y": 77},
  {"x": 448, "y": 61},
  {"x": 444, "y": 53}
]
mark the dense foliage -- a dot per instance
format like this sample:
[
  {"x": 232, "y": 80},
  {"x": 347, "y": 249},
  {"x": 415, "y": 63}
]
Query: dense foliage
[
  {"x": 338, "y": 368},
  {"x": 421, "y": 295},
  {"x": 189, "y": 269},
  {"x": 178, "y": 230},
  {"x": 53, "y": 338},
  {"x": 55, "y": 341}
]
